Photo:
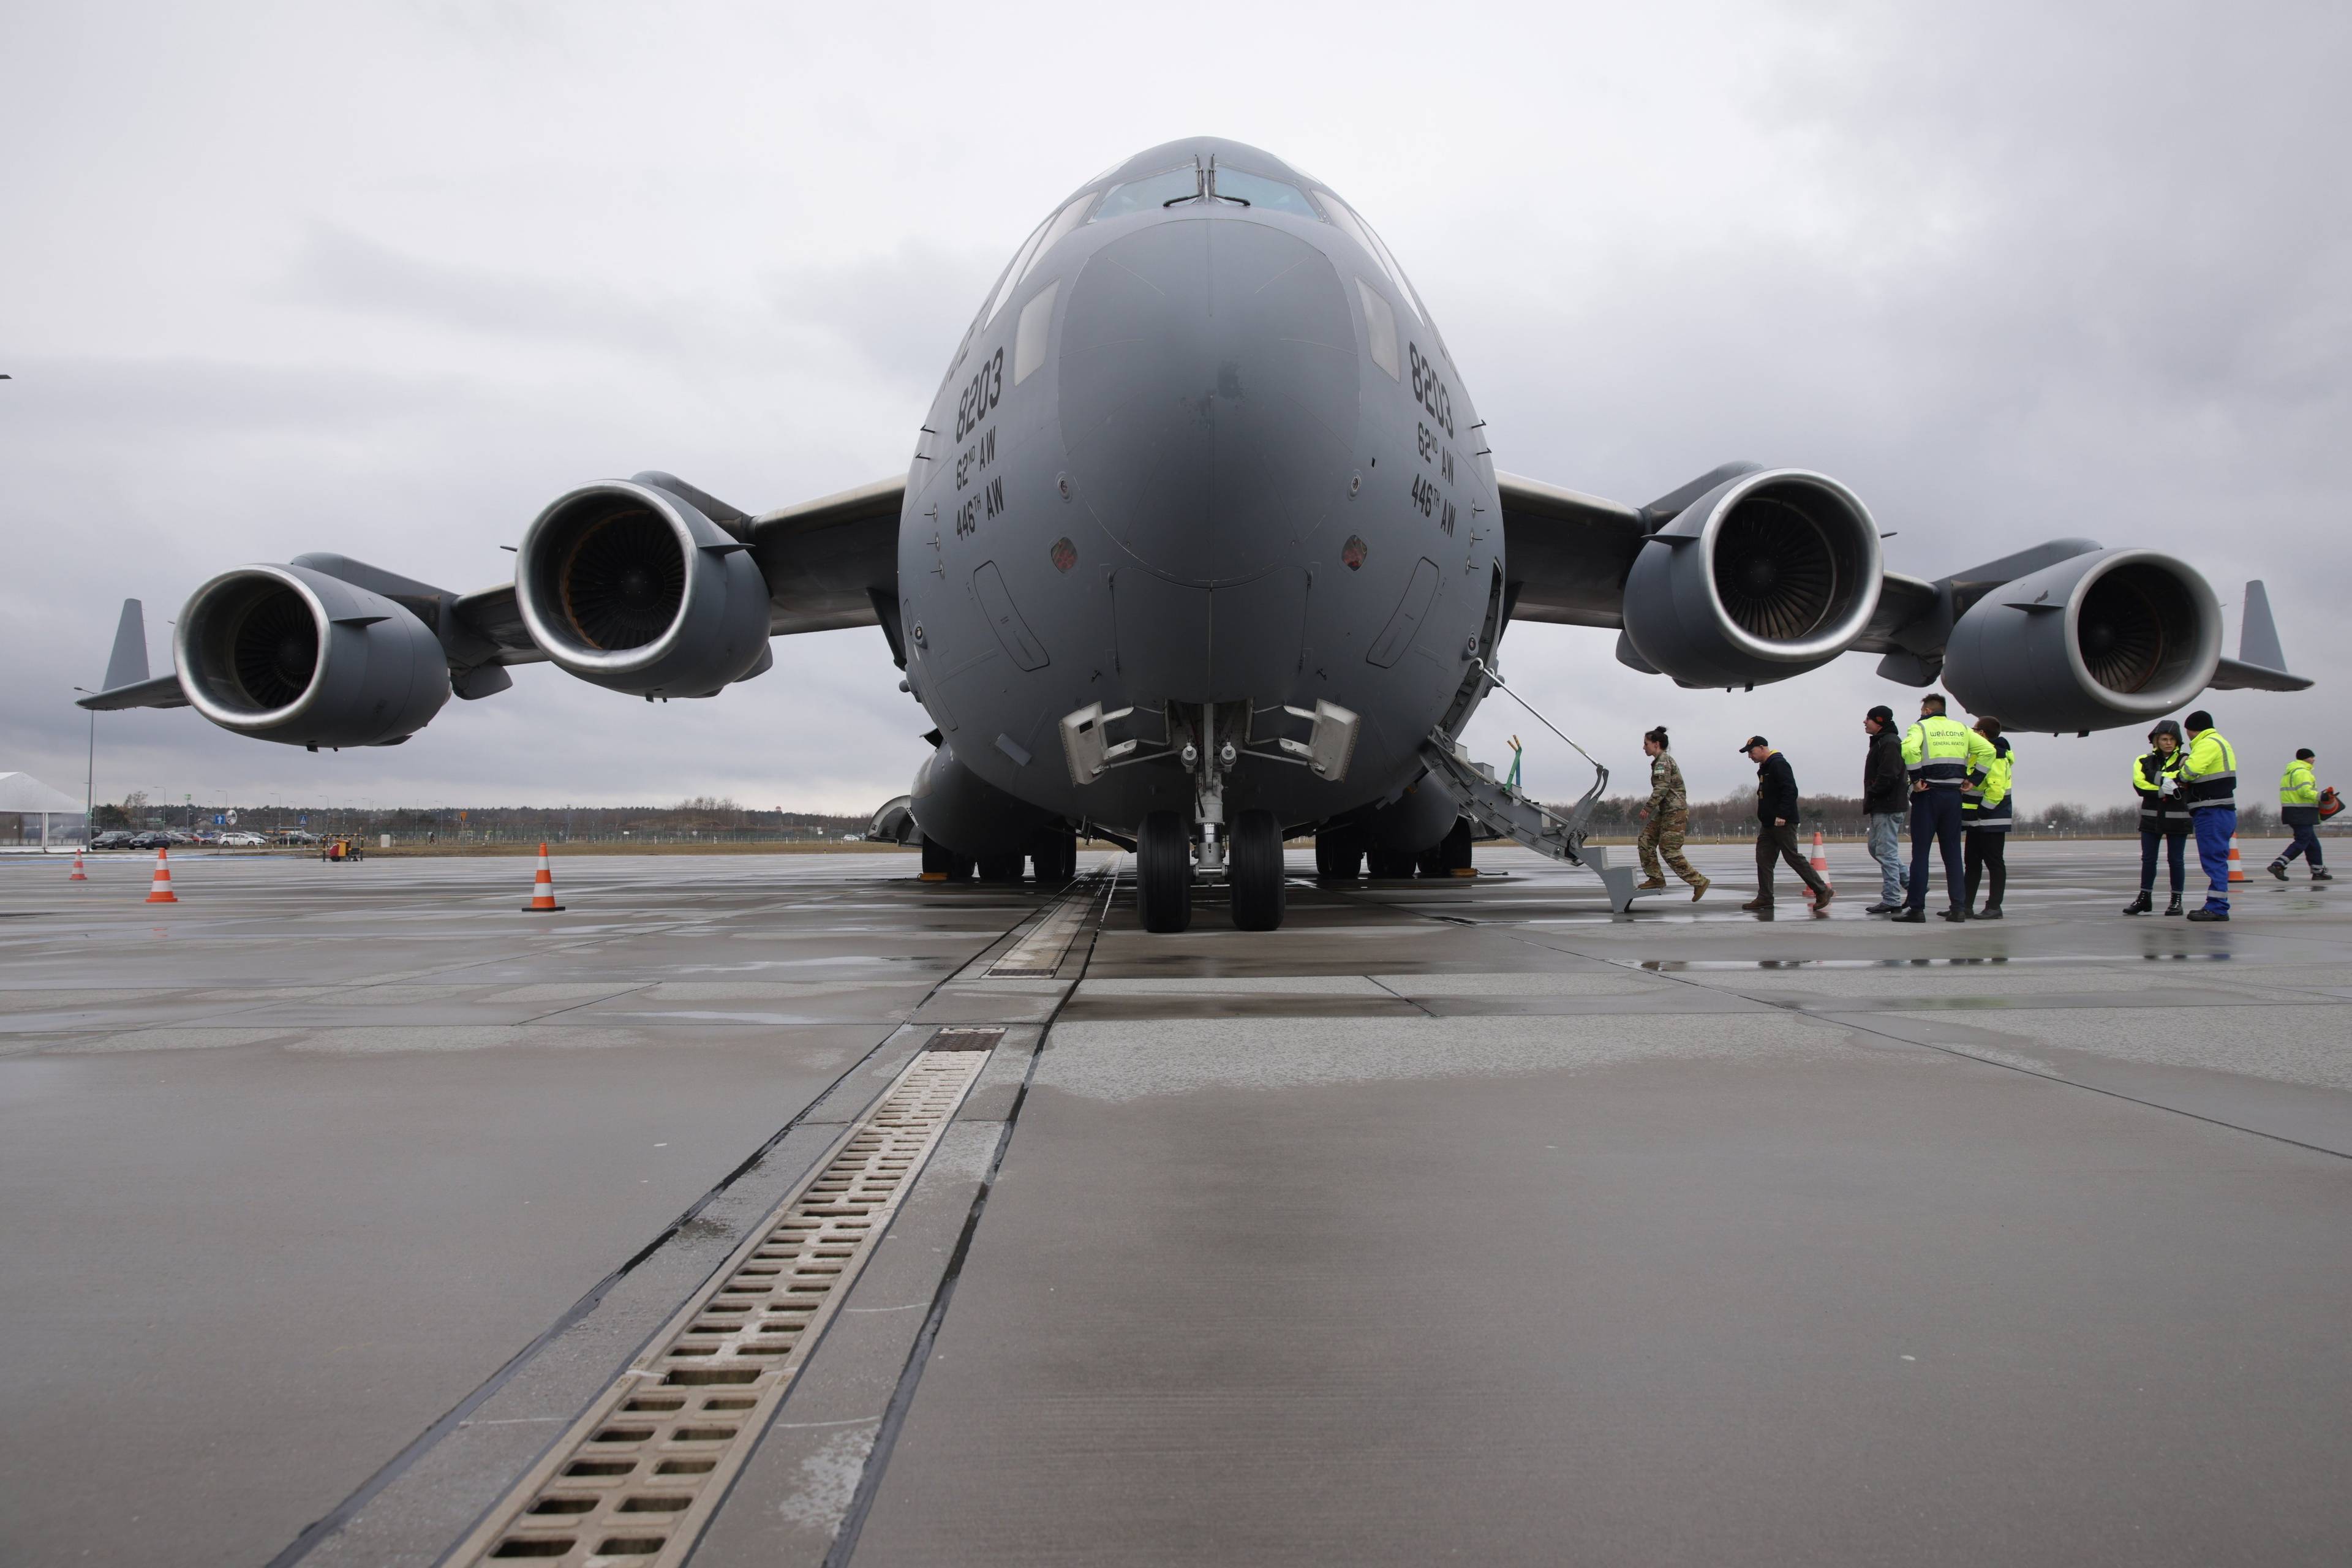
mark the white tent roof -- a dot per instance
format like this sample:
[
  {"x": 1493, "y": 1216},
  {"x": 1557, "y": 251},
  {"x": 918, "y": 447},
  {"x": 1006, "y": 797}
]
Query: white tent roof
[{"x": 23, "y": 792}]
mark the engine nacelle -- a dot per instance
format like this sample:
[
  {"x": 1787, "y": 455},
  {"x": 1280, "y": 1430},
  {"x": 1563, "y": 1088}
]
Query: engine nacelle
[
  {"x": 284, "y": 653},
  {"x": 2103, "y": 639},
  {"x": 961, "y": 811},
  {"x": 1765, "y": 576},
  {"x": 631, "y": 587}
]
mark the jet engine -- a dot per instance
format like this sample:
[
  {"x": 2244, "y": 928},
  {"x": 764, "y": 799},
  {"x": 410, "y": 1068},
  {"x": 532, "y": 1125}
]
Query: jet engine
[
  {"x": 1766, "y": 576},
  {"x": 634, "y": 588},
  {"x": 284, "y": 653},
  {"x": 2100, "y": 640}
]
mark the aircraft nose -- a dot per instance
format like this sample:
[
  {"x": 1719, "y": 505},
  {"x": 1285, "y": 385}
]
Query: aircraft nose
[{"x": 1209, "y": 395}]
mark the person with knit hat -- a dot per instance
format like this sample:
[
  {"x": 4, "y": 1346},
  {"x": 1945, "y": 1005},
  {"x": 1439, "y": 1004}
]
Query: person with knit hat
[{"x": 2163, "y": 815}]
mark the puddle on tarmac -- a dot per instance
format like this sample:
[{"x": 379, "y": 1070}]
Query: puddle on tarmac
[{"x": 1985, "y": 961}]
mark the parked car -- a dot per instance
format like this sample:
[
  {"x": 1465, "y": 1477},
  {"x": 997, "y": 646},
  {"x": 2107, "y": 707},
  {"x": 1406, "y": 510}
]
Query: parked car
[
  {"x": 296, "y": 836},
  {"x": 152, "y": 838},
  {"x": 242, "y": 840},
  {"x": 113, "y": 838}
]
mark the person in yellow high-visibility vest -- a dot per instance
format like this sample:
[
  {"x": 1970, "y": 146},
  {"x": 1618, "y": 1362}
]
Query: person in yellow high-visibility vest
[
  {"x": 1985, "y": 813},
  {"x": 2299, "y": 812},
  {"x": 1944, "y": 757},
  {"x": 2163, "y": 815},
  {"x": 2209, "y": 780}
]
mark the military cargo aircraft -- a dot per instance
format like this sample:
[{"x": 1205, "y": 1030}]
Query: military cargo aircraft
[{"x": 1201, "y": 546}]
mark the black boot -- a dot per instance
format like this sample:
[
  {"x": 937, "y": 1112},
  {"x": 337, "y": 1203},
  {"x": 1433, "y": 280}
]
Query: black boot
[
  {"x": 1990, "y": 912},
  {"x": 2143, "y": 905},
  {"x": 2173, "y": 907}
]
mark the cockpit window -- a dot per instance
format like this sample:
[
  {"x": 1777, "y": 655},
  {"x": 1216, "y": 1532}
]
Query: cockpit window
[
  {"x": 1013, "y": 273},
  {"x": 1064, "y": 221},
  {"x": 1361, "y": 233},
  {"x": 1255, "y": 190},
  {"x": 1150, "y": 193}
]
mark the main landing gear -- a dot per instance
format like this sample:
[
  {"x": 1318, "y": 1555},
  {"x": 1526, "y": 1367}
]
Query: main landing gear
[{"x": 1254, "y": 871}]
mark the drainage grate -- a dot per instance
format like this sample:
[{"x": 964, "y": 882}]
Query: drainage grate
[
  {"x": 965, "y": 1040},
  {"x": 1040, "y": 953},
  {"x": 636, "y": 1479}
]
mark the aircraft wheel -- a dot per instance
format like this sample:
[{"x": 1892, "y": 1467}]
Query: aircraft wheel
[
  {"x": 1455, "y": 850},
  {"x": 1057, "y": 862},
  {"x": 1338, "y": 855},
  {"x": 1254, "y": 871},
  {"x": 945, "y": 864},
  {"x": 1163, "y": 873},
  {"x": 999, "y": 867}
]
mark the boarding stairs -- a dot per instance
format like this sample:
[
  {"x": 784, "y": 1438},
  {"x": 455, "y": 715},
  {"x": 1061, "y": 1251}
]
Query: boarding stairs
[{"x": 1504, "y": 811}]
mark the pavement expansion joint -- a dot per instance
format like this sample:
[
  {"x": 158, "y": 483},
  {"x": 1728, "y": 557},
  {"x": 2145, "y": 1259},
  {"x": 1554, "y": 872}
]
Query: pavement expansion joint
[{"x": 638, "y": 1476}]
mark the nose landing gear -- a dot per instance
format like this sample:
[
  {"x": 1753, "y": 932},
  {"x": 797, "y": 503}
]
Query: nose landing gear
[
  {"x": 1163, "y": 872},
  {"x": 1255, "y": 872}
]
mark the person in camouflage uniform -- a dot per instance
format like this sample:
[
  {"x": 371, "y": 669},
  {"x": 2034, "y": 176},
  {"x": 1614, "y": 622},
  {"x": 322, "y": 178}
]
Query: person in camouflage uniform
[{"x": 1666, "y": 819}]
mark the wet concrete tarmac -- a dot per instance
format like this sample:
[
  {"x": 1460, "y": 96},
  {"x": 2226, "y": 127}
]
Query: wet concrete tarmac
[{"x": 1455, "y": 1220}]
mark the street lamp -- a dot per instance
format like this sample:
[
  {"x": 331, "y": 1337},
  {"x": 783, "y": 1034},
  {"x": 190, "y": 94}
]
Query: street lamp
[{"x": 89, "y": 779}]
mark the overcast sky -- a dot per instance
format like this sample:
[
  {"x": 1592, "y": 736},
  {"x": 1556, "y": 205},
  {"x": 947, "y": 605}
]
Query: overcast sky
[{"x": 385, "y": 279}]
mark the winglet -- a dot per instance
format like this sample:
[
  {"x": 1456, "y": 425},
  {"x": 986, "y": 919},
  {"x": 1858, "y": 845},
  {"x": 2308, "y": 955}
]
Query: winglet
[
  {"x": 127, "y": 667},
  {"x": 128, "y": 684},
  {"x": 2260, "y": 663},
  {"x": 2258, "y": 639}
]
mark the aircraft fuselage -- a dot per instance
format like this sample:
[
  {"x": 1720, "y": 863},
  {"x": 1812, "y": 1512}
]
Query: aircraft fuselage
[{"x": 1207, "y": 461}]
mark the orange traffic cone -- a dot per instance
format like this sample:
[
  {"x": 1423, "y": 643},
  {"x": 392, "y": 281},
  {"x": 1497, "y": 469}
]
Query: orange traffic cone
[
  {"x": 1821, "y": 867},
  {"x": 78, "y": 874},
  {"x": 161, "y": 892},
  {"x": 542, "y": 890},
  {"x": 2237, "y": 872}
]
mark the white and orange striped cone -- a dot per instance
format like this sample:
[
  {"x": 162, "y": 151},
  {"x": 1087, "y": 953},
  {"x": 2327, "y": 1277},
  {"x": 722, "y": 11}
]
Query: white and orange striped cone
[
  {"x": 1821, "y": 867},
  {"x": 161, "y": 892},
  {"x": 79, "y": 875},
  {"x": 2237, "y": 872},
  {"x": 542, "y": 890}
]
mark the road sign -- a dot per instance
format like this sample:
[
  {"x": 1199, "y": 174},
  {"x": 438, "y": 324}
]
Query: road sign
[
  {"x": 303, "y": 819},
  {"x": 232, "y": 819},
  {"x": 218, "y": 820}
]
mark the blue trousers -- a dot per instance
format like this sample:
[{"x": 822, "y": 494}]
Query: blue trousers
[
  {"x": 1936, "y": 820},
  {"x": 2215, "y": 825},
  {"x": 1885, "y": 838},
  {"x": 2307, "y": 844}
]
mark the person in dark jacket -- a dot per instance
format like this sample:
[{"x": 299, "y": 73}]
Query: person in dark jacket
[
  {"x": 1886, "y": 797},
  {"x": 1776, "y": 826},
  {"x": 2163, "y": 815}
]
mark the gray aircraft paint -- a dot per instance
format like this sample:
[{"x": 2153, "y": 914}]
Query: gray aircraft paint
[{"x": 1205, "y": 488}]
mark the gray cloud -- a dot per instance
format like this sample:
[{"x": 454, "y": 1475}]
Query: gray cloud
[{"x": 385, "y": 284}]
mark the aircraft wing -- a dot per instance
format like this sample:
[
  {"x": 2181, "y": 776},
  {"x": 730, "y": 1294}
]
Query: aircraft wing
[
  {"x": 827, "y": 564},
  {"x": 834, "y": 561},
  {"x": 1804, "y": 571}
]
